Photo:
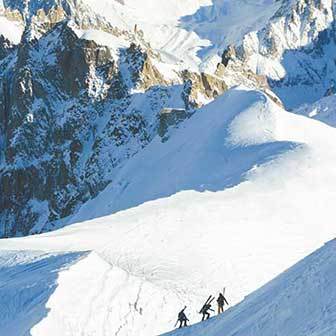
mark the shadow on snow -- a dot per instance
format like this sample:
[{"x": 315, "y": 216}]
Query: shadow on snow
[{"x": 26, "y": 284}]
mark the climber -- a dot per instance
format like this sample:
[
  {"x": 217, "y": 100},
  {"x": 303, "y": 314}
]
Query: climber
[
  {"x": 182, "y": 318},
  {"x": 205, "y": 311},
  {"x": 221, "y": 301}
]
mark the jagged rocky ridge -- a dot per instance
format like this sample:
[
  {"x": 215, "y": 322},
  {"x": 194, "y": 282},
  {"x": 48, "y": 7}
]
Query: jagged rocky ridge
[
  {"x": 73, "y": 111},
  {"x": 71, "y": 114},
  {"x": 295, "y": 51}
]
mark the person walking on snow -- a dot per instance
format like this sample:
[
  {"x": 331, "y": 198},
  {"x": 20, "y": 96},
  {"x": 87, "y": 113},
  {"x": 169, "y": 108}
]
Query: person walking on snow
[
  {"x": 221, "y": 301},
  {"x": 205, "y": 311},
  {"x": 182, "y": 318}
]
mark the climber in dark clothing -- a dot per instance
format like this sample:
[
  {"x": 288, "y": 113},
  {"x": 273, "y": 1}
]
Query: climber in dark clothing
[
  {"x": 182, "y": 318},
  {"x": 221, "y": 303},
  {"x": 205, "y": 311}
]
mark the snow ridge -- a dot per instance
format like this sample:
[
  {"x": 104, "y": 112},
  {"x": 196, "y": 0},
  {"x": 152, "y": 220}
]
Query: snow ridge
[
  {"x": 253, "y": 196},
  {"x": 153, "y": 140}
]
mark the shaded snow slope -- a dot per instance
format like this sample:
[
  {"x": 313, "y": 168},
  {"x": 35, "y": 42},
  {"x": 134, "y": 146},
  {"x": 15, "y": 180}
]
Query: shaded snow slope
[
  {"x": 224, "y": 22},
  {"x": 241, "y": 136},
  {"x": 299, "y": 302},
  {"x": 149, "y": 261},
  {"x": 323, "y": 110},
  {"x": 27, "y": 280}
]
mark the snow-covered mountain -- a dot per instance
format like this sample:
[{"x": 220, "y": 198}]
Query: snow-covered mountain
[
  {"x": 242, "y": 196},
  {"x": 78, "y": 99},
  {"x": 163, "y": 150},
  {"x": 86, "y": 85}
]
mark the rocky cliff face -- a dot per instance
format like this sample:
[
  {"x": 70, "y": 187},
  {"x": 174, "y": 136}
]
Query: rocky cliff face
[
  {"x": 79, "y": 96},
  {"x": 72, "y": 113},
  {"x": 294, "y": 51}
]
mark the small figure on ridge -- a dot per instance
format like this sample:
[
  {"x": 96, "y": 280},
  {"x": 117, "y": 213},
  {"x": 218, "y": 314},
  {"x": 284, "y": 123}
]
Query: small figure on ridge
[{"x": 182, "y": 318}]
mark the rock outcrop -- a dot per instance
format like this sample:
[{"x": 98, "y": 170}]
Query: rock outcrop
[{"x": 72, "y": 113}]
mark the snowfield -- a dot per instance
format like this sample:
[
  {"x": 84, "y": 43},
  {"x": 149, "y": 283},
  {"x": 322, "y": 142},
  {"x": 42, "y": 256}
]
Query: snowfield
[
  {"x": 299, "y": 302},
  {"x": 239, "y": 193}
]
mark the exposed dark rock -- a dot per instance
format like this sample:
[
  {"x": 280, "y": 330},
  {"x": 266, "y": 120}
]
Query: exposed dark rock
[
  {"x": 68, "y": 122},
  {"x": 170, "y": 118},
  {"x": 228, "y": 54}
]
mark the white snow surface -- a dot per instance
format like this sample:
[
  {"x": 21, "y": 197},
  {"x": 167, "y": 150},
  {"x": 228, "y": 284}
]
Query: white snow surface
[
  {"x": 192, "y": 31},
  {"x": 11, "y": 30},
  {"x": 240, "y": 192},
  {"x": 102, "y": 38},
  {"x": 299, "y": 302}
]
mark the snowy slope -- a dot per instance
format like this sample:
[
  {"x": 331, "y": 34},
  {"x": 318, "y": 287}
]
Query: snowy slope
[
  {"x": 159, "y": 22},
  {"x": 11, "y": 30},
  {"x": 232, "y": 196},
  {"x": 289, "y": 42},
  {"x": 323, "y": 110},
  {"x": 233, "y": 139},
  {"x": 27, "y": 279},
  {"x": 240, "y": 192},
  {"x": 299, "y": 302},
  {"x": 194, "y": 32}
]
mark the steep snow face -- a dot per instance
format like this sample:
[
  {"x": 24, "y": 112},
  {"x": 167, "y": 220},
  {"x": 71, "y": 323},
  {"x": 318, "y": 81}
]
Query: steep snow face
[
  {"x": 251, "y": 192},
  {"x": 218, "y": 148},
  {"x": 299, "y": 302},
  {"x": 225, "y": 22},
  {"x": 150, "y": 10},
  {"x": 159, "y": 21}
]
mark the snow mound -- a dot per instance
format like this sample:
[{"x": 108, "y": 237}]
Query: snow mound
[
  {"x": 216, "y": 149},
  {"x": 256, "y": 125},
  {"x": 299, "y": 302},
  {"x": 95, "y": 298}
]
